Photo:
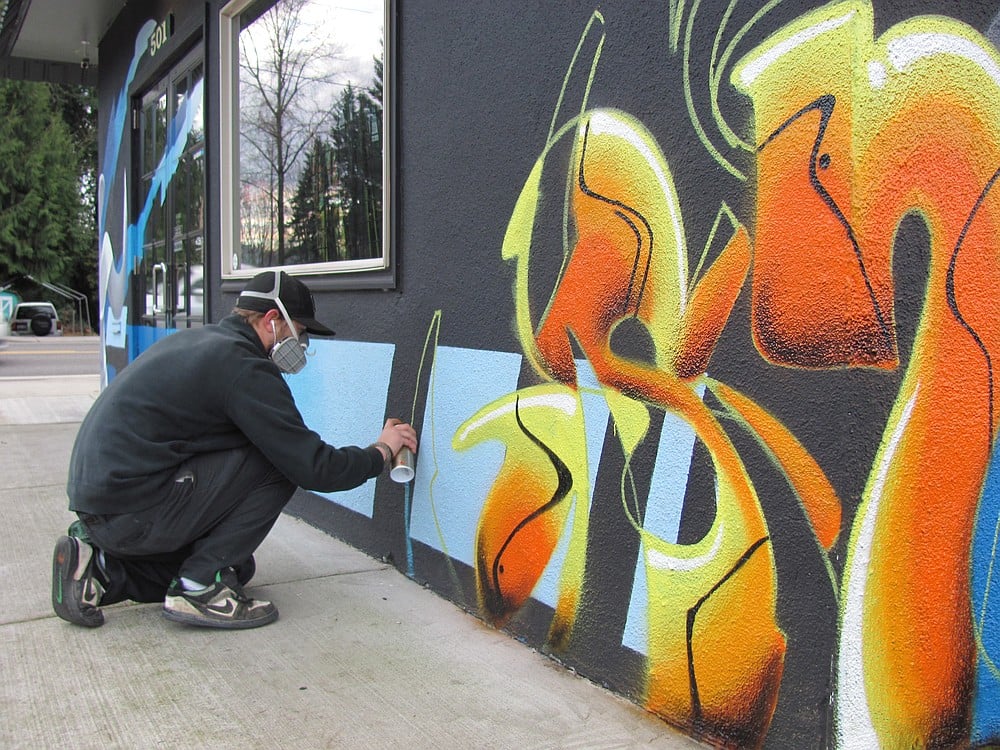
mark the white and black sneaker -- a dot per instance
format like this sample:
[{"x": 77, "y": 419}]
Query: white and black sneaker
[
  {"x": 221, "y": 605},
  {"x": 76, "y": 591}
]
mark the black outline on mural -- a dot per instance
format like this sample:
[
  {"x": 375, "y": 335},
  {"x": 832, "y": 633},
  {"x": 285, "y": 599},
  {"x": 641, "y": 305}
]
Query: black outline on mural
[
  {"x": 953, "y": 301},
  {"x": 638, "y": 235},
  {"x": 565, "y": 484},
  {"x": 693, "y": 613}
]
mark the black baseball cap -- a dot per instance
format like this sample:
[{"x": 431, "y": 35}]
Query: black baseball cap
[{"x": 263, "y": 289}]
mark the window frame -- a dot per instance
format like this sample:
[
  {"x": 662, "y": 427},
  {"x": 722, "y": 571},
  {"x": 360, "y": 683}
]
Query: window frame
[{"x": 365, "y": 273}]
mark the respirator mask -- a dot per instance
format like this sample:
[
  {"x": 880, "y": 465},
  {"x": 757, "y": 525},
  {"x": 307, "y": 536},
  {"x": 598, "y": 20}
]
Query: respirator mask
[{"x": 289, "y": 354}]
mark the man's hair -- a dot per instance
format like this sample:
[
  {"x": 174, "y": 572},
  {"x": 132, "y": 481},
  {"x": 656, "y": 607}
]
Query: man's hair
[{"x": 250, "y": 316}]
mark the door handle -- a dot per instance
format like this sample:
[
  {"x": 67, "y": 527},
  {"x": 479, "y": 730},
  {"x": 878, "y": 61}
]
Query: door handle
[{"x": 162, "y": 268}]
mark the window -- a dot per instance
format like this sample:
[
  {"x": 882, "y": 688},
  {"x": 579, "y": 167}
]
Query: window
[{"x": 304, "y": 137}]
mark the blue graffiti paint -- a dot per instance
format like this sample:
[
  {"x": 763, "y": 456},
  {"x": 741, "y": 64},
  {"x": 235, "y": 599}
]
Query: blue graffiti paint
[
  {"x": 113, "y": 141},
  {"x": 407, "y": 508},
  {"x": 342, "y": 397},
  {"x": 116, "y": 123},
  {"x": 178, "y": 130},
  {"x": 985, "y": 579},
  {"x": 177, "y": 133},
  {"x": 143, "y": 337}
]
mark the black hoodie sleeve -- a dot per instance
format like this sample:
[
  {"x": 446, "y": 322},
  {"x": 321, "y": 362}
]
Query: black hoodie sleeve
[{"x": 262, "y": 407}]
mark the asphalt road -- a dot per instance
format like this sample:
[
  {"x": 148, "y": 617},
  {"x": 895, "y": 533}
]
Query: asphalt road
[{"x": 30, "y": 356}]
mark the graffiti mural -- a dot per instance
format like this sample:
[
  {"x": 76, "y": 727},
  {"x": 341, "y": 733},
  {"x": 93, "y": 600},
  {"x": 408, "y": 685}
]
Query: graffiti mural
[
  {"x": 121, "y": 255},
  {"x": 731, "y": 448},
  {"x": 905, "y": 123},
  {"x": 851, "y": 133}
]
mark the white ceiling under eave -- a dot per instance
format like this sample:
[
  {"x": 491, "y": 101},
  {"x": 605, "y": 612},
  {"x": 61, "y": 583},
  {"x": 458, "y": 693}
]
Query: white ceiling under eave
[{"x": 57, "y": 40}]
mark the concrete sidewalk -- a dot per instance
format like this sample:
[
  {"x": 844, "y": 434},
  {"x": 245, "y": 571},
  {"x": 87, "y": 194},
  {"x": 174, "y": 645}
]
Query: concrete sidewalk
[{"x": 361, "y": 657}]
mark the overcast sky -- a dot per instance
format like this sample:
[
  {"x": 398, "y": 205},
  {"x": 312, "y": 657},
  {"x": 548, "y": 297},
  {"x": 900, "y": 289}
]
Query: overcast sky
[{"x": 355, "y": 27}]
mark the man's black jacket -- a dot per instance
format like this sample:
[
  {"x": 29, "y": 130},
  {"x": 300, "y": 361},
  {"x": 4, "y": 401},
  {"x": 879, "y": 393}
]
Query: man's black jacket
[{"x": 199, "y": 390}]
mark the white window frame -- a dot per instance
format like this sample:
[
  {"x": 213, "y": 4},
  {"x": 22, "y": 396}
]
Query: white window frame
[{"x": 229, "y": 153}]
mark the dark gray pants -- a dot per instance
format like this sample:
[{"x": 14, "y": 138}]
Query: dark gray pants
[{"x": 219, "y": 509}]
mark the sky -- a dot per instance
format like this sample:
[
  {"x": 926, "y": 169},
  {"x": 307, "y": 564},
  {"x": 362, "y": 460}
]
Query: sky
[
  {"x": 358, "y": 27},
  {"x": 354, "y": 27}
]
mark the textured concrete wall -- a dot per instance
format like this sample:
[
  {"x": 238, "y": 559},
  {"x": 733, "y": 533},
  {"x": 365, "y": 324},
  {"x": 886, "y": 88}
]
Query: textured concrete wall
[{"x": 695, "y": 312}]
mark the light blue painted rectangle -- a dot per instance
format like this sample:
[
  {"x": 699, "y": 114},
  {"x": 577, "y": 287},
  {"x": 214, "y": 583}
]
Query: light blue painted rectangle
[
  {"x": 342, "y": 395},
  {"x": 450, "y": 488},
  {"x": 663, "y": 515}
]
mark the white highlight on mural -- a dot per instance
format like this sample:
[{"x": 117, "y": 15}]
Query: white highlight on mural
[
  {"x": 752, "y": 71},
  {"x": 908, "y": 50},
  {"x": 855, "y": 730},
  {"x": 113, "y": 286},
  {"x": 602, "y": 122},
  {"x": 661, "y": 561},
  {"x": 105, "y": 261},
  {"x": 877, "y": 74},
  {"x": 112, "y": 327},
  {"x": 562, "y": 402}
]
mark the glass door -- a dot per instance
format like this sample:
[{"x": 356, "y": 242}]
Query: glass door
[{"x": 168, "y": 284}]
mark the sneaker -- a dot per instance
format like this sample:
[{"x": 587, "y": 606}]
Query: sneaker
[
  {"x": 76, "y": 592},
  {"x": 78, "y": 531},
  {"x": 222, "y": 605}
]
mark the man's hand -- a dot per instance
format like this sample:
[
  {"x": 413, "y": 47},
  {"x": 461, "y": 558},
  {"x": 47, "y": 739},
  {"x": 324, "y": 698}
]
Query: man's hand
[{"x": 397, "y": 434}]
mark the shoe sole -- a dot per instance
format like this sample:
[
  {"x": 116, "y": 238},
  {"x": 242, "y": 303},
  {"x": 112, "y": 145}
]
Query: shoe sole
[
  {"x": 65, "y": 565},
  {"x": 204, "y": 622}
]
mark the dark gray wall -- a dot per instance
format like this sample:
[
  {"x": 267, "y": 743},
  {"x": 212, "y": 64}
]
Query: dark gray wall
[{"x": 474, "y": 91}]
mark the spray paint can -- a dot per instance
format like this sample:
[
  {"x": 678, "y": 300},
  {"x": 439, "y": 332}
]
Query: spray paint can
[{"x": 403, "y": 465}]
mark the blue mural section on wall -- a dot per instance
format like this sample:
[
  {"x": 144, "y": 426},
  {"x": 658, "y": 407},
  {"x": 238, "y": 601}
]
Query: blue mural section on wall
[
  {"x": 117, "y": 264},
  {"x": 986, "y": 607},
  {"x": 445, "y": 508},
  {"x": 342, "y": 396}
]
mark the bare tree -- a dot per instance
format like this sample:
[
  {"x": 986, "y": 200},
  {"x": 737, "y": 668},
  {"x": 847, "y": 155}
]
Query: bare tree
[
  {"x": 284, "y": 61},
  {"x": 256, "y": 226}
]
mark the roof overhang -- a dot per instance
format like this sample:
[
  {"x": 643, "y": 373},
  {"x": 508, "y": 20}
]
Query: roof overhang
[{"x": 53, "y": 40}]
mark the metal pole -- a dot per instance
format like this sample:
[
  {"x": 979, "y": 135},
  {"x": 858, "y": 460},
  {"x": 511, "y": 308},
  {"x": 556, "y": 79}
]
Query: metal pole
[{"x": 82, "y": 302}]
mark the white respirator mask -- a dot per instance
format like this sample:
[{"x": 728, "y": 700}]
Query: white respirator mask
[{"x": 289, "y": 354}]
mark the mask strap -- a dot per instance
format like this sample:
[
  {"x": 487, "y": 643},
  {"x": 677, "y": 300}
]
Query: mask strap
[
  {"x": 272, "y": 296},
  {"x": 288, "y": 320}
]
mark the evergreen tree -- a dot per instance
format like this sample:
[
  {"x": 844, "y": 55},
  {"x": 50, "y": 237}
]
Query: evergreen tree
[
  {"x": 78, "y": 106},
  {"x": 315, "y": 214},
  {"x": 337, "y": 206},
  {"x": 375, "y": 90},
  {"x": 279, "y": 69},
  {"x": 40, "y": 192},
  {"x": 357, "y": 154}
]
